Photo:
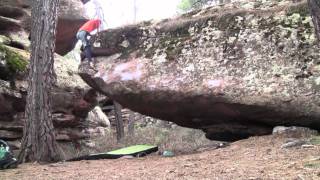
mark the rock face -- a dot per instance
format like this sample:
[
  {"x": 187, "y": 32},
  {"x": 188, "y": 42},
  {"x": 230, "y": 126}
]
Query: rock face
[
  {"x": 71, "y": 17},
  {"x": 96, "y": 123},
  {"x": 294, "y": 132},
  {"x": 230, "y": 72},
  {"x": 72, "y": 101},
  {"x": 15, "y": 23}
]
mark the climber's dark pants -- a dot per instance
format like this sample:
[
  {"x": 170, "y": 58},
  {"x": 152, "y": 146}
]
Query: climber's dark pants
[
  {"x": 83, "y": 37},
  {"x": 87, "y": 52}
]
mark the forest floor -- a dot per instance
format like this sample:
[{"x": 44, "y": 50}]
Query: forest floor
[{"x": 253, "y": 158}]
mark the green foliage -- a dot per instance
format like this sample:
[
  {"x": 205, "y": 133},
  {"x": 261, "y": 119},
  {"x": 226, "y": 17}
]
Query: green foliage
[
  {"x": 315, "y": 140},
  {"x": 186, "y": 5},
  {"x": 14, "y": 62}
]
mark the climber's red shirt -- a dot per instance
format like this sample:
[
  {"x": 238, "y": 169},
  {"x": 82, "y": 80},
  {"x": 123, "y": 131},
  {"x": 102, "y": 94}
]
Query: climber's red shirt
[{"x": 90, "y": 25}]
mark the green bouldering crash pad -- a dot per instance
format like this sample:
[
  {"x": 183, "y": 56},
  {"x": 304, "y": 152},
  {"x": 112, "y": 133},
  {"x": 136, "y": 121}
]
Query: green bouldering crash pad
[{"x": 136, "y": 151}]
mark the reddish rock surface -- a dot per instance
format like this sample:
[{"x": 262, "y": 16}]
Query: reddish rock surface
[{"x": 15, "y": 19}]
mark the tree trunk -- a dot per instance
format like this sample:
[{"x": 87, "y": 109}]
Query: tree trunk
[
  {"x": 131, "y": 124},
  {"x": 119, "y": 121},
  {"x": 314, "y": 6},
  {"x": 38, "y": 142}
]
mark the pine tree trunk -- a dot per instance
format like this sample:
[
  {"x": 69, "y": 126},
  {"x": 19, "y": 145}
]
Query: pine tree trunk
[
  {"x": 119, "y": 121},
  {"x": 38, "y": 142},
  {"x": 314, "y": 6},
  {"x": 131, "y": 122}
]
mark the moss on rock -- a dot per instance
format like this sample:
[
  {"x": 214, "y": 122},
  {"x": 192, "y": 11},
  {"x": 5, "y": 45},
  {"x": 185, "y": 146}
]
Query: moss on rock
[{"x": 12, "y": 63}]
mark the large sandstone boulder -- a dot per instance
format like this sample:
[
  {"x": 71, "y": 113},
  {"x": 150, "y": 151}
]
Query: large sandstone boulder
[
  {"x": 232, "y": 72},
  {"x": 15, "y": 22}
]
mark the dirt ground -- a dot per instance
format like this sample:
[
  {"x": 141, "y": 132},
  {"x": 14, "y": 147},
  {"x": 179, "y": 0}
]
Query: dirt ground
[{"x": 253, "y": 158}]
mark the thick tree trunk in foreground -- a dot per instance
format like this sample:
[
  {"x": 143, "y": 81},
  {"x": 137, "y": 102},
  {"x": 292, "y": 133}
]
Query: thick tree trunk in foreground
[
  {"x": 39, "y": 143},
  {"x": 314, "y": 6},
  {"x": 119, "y": 121}
]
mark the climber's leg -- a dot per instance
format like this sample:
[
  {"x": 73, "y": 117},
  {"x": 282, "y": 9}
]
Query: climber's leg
[
  {"x": 88, "y": 53},
  {"x": 82, "y": 36}
]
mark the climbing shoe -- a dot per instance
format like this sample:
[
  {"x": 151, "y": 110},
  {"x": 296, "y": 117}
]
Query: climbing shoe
[
  {"x": 7, "y": 159},
  {"x": 88, "y": 63},
  {"x": 91, "y": 64}
]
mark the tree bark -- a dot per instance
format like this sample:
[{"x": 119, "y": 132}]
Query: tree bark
[
  {"x": 119, "y": 121},
  {"x": 314, "y": 6},
  {"x": 131, "y": 124},
  {"x": 39, "y": 142}
]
